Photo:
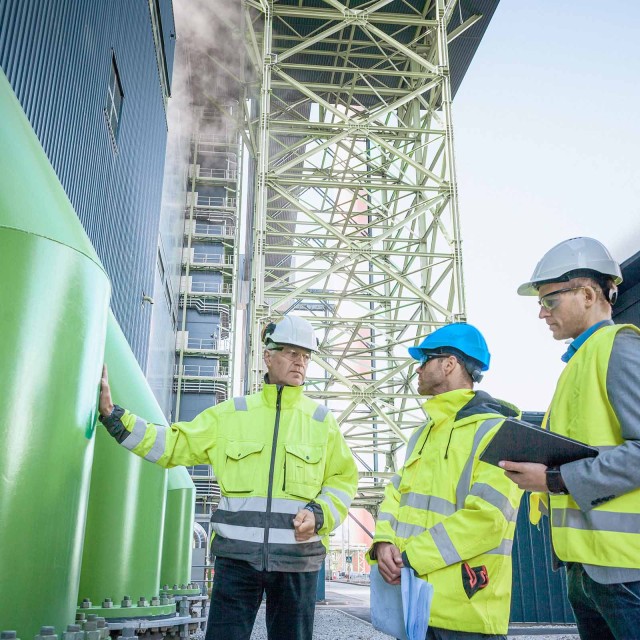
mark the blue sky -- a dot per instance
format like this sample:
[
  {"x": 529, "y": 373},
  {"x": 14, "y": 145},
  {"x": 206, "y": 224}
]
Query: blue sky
[{"x": 547, "y": 144}]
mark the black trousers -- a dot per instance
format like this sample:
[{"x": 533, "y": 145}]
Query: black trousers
[{"x": 237, "y": 594}]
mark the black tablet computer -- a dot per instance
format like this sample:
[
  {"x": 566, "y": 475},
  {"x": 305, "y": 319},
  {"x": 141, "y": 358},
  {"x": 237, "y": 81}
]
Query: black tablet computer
[{"x": 520, "y": 441}]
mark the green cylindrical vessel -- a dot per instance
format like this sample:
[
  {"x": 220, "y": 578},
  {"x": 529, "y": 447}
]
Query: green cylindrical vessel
[
  {"x": 178, "y": 528},
  {"x": 53, "y": 310},
  {"x": 123, "y": 539}
]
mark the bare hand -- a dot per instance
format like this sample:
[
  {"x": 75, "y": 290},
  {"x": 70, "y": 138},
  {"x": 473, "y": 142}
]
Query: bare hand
[
  {"x": 389, "y": 562},
  {"x": 305, "y": 525},
  {"x": 105, "y": 405},
  {"x": 529, "y": 476}
]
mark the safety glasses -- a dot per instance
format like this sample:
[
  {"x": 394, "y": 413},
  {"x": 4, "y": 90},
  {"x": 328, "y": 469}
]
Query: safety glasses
[
  {"x": 290, "y": 353},
  {"x": 551, "y": 300},
  {"x": 432, "y": 356}
]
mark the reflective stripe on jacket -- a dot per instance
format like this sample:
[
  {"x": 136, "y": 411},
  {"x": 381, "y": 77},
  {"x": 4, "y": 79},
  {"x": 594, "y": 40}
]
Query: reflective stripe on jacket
[
  {"x": 609, "y": 534},
  {"x": 272, "y": 453},
  {"x": 445, "y": 508}
]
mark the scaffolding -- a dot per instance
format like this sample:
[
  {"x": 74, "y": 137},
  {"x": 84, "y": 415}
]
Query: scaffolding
[
  {"x": 205, "y": 341},
  {"x": 210, "y": 250},
  {"x": 356, "y": 222}
]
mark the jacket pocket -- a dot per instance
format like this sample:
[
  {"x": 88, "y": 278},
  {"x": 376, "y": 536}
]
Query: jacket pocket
[
  {"x": 408, "y": 477},
  {"x": 242, "y": 461},
  {"x": 303, "y": 470}
]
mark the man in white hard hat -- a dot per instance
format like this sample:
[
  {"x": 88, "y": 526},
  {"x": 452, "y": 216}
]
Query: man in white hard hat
[
  {"x": 594, "y": 503},
  {"x": 286, "y": 477}
]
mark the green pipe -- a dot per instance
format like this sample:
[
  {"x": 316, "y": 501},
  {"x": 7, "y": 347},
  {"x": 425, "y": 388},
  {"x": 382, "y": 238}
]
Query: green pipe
[
  {"x": 123, "y": 539},
  {"x": 178, "y": 529},
  {"x": 53, "y": 311}
]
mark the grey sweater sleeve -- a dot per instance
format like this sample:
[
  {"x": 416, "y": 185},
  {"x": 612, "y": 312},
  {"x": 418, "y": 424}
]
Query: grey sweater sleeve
[{"x": 614, "y": 471}]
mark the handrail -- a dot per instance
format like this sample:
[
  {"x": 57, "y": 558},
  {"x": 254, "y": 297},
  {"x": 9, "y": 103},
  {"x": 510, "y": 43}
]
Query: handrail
[
  {"x": 211, "y": 344},
  {"x": 224, "y": 174},
  {"x": 210, "y": 287},
  {"x": 215, "y": 201},
  {"x": 202, "y": 371},
  {"x": 208, "y": 258},
  {"x": 214, "y": 229}
]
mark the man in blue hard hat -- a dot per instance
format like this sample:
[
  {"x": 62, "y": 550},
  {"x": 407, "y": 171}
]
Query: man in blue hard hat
[
  {"x": 446, "y": 514},
  {"x": 594, "y": 503}
]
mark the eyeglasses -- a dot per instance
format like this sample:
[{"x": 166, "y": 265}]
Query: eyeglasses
[
  {"x": 293, "y": 354},
  {"x": 551, "y": 300},
  {"x": 432, "y": 356}
]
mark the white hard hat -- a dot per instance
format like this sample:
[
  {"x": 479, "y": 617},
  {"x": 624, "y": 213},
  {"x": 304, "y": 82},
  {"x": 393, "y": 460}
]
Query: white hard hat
[
  {"x": 574, "y": 255},
  {"x": 291, "y": 330}
]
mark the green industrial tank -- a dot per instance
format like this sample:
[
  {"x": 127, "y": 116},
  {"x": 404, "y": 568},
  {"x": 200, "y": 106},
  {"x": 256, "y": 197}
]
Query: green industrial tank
[
  {"x": 178, "y": 529},
  {"x": 123, "y": 539},
  {"x": 53, "y": 311}
]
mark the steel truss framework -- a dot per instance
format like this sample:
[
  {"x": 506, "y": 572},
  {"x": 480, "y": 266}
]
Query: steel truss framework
[{"x": 356, "y": 216}]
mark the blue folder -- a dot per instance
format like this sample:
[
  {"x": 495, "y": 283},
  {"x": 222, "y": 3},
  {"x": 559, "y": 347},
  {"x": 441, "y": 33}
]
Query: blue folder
[{"x": 401, "y": 611}]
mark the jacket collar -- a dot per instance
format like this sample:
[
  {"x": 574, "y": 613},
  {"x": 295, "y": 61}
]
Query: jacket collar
[
  {"x": 289, "y": 398},
  {"x": 483, "y": 403},
  {"x": 466, "y": 403}
]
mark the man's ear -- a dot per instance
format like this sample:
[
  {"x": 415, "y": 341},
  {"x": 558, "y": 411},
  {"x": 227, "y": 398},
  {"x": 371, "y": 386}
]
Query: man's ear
[
  {"x": 450, "y": 363},
  {"x": 590, "y": 295}
]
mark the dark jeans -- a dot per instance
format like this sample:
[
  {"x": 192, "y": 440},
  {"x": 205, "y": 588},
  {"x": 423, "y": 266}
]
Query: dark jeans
[
  {"x": 237, "y": 594},
  {"x": 433, "y": 633},
  {"x": 603, "y": 611}
]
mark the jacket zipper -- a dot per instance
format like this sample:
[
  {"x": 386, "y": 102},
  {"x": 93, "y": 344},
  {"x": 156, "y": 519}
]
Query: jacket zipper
[{"x": 267, "y": 519}]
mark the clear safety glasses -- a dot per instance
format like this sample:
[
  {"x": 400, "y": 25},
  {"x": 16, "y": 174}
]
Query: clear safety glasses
[
  {"x": 551, "y": 300},
  {"x": 293, "y": 354}
]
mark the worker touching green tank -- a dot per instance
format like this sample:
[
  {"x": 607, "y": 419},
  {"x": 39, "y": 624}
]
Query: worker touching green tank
[{"x": 286, "y": 476}]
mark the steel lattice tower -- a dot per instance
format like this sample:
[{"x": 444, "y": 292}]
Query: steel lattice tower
[{"x": 356, "y": 223}]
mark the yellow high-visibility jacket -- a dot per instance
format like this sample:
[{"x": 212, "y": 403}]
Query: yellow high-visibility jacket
[
  {"x": 607, "y": 535},
  {"x": 445, "y": 508},
  {"x": 272, "y": 452}
]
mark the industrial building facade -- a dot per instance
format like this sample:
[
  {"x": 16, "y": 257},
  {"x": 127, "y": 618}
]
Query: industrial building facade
[{"x": 94, "y": 79}]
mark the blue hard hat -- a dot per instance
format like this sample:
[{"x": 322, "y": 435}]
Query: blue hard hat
[{"x": 459, "y": 337}]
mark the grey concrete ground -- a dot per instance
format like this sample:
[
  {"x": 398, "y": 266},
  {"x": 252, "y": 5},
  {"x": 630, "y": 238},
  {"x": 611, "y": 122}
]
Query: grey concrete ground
[
  {"x": 345, "y": 616},
  {"x": 330, "y": 624}
]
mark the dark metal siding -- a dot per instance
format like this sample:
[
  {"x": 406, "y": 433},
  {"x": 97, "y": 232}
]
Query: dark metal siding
[
  {"x": 627, "y": 308},
  {"x": 57, "y": 55},
  {"x": 539, "y": 594}
]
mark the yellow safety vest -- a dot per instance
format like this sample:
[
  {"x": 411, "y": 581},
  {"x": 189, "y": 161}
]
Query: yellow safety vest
[
  {"x": 609, "y": 534},
  {"x": 272, "y": 453},
  {"x": 445, "y": 508}
]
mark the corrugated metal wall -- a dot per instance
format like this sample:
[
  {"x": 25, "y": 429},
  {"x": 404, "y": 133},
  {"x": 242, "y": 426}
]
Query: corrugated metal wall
[
  {"x": 57, "y": 55},
  {"x": 627, "y": 308},
  {"x": 539, "y": 593}
]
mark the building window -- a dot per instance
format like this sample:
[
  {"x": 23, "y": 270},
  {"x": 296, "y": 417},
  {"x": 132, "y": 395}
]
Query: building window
[
  {"x": 160, "y": 265},
  {"x": 158, "y": 40},
  {"x": 113, "y": 110},
  {"x": 167, "y": 294}
]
